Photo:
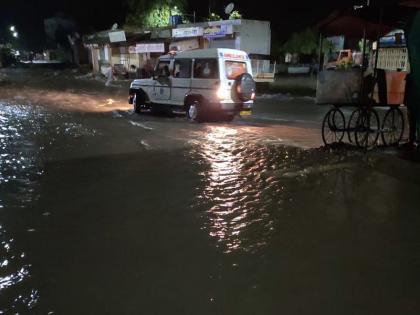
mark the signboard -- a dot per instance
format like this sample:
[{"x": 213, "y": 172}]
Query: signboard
[
  {"x": 185, "y": 45},
  {"x": 150, "y": 48},
  {"x": 218, "y": 31},
  {"x": 391, "y": 40},
  {"x": 233, "y": 55},
  {"x": 187, "y": 32},
  {"x": 116, "y": 37}
]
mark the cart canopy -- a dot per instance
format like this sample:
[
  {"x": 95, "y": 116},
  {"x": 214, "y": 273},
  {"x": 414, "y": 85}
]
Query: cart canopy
[{"x": 373, "y": 21}]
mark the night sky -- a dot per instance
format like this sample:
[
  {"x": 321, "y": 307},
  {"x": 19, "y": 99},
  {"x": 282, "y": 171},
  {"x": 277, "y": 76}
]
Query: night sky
[{"x": 94, "y": 15}]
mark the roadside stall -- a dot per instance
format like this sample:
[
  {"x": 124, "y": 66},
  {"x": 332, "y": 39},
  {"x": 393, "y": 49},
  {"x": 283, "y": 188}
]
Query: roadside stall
[{"x": 365, "y": 83}]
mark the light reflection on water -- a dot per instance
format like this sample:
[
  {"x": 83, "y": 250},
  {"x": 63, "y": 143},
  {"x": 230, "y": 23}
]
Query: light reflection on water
[
  {"x": 19, "y": 125},
  {"x": 247, "y": 185},
  {"x": 233, "y": 192},
  {"x": 253, "y": 200},
  {"x": 25, "y": 133},
  {"x": 15, "y": 278}
]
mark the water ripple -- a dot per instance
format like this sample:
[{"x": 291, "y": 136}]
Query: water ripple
[
  {"x": 14, "y": 271},
  {"x": 245, "y": 184},
  {"x": 19, "y": 170}
]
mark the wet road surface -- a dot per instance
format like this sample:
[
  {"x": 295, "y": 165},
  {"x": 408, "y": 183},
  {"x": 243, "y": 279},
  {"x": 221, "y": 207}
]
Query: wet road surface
[{"x": 106, "y": 212}]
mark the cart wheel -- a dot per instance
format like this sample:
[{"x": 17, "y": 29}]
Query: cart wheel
[
  {"x": 392, "y": 127},
  {"x": 333, "y": 126},
  {"x": 367, "y": 128},
  {"x": 351, "y": 128}
]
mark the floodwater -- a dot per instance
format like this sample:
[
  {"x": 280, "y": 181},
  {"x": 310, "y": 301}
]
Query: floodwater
[{"x": 106, "y": 212}]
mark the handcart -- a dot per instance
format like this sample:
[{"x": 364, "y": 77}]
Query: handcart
[{"x": 365, "y": 89}]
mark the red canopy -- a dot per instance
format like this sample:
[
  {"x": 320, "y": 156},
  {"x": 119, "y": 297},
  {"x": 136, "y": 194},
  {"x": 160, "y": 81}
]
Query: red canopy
[
  {"x": 351, "y": 26},
  {"x": 374, "y": 20},
  {"x": 410, "y": 3}
]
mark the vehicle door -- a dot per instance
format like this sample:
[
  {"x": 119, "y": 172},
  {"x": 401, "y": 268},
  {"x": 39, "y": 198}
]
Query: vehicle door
[
  {"x": 162, "y": 81},
  {"x": 181, "y": 80},
  {"x": 205, "y": 80},
  {"x": 232, "y": 69}
]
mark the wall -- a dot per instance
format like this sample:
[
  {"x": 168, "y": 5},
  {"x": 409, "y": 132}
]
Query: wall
[
  {"x": 115, "y": 55},
  {"x": 254, "y": 37},
  {"x": 222, "y": 43},
  {"x": 135, "y": 60},
  {"x": 104, "y": 54},
  {"x": 94, "y": 58}
]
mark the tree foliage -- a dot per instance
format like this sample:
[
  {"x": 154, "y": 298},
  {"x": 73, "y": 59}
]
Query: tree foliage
[
  {"x": 305, "y": 43},
  {"x": 153, "y": 13},
  {"x": 214, "y": 17},
  {"x": 362, "y": 46},
  {"x": 235, "y": 15}
]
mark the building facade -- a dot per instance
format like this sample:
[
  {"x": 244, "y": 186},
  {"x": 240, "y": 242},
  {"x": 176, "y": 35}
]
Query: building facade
[{"x": 140, "y": 49}]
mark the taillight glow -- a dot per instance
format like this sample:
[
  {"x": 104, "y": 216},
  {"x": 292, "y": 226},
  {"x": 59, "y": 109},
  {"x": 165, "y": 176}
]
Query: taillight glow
[{"x": 223, "y": 94}]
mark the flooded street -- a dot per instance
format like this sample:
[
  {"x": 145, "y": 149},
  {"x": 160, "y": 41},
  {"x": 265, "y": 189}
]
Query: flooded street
[{"x": 103, "y": 211}]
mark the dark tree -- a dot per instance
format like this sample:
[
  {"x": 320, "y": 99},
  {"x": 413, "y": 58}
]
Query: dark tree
[{"x": 153, "y": 13}]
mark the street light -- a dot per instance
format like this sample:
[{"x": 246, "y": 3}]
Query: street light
[
  {"x": 15, "y": 34},
  {"x": 12, "y": 28}
]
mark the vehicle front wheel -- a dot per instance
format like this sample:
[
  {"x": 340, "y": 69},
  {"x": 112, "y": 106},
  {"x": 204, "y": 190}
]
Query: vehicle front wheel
[
  {"x": 195, "y": 111},
  {"x": 138, "y": 103}
]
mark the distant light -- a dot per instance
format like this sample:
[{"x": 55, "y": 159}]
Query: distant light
[
  {"x": 15, "y": 34},
  {"x": 175, "y": 7},
  {"x": 212, "y": 14},
  {"x": 12, "y": 28}
]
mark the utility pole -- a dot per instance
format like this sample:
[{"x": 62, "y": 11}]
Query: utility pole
[{"x": 211, "y": 6}]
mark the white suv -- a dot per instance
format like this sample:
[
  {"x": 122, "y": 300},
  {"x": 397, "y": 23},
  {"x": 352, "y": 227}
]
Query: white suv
[{"x": 200, "y": 82}]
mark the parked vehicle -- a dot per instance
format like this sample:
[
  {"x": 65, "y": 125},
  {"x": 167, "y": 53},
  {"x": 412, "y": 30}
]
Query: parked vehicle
[
  {"x": 338, "y": 58},
  {"x": 200, "y": 82}
]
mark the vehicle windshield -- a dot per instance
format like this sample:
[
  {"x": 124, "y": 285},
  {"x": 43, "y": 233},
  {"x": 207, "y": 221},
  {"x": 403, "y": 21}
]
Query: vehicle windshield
[{"x": 234, "y": 69}]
